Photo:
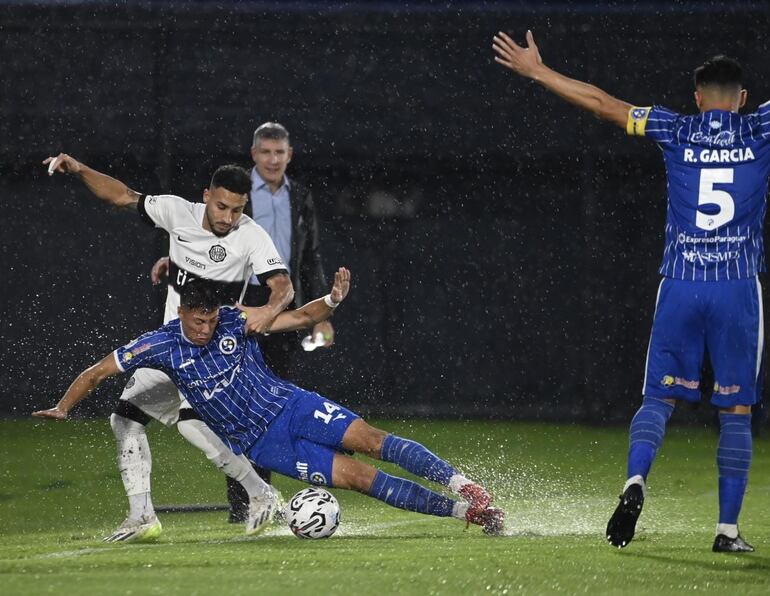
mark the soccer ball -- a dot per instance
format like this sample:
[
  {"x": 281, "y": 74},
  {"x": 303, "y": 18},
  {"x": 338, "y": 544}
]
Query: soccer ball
[{"x": 313, "y": 513}]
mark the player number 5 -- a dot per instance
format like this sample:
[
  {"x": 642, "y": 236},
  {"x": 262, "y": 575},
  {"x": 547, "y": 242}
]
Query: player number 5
[{"x": 708, "y": 196}]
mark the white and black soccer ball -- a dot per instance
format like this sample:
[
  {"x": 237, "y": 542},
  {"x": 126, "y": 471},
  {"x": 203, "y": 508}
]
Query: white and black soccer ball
[{"x": 313, "y": 513}]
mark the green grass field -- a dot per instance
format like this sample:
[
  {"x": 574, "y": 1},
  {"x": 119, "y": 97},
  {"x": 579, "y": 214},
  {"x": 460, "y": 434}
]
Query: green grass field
[{"x": 61, "y": 493}]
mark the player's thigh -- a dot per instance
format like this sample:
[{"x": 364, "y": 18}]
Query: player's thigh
[
  {"x": 677, "y": 341},
  {"x": 735, "y": 341},
  {"x": 154, "y": 393},
  {"x": 318, "y": 419}
]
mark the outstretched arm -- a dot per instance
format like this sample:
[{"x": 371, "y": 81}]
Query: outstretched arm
[
  {"x": 528, "y": 63},
  {"x": 313, "y": 312},
  {"x": 103, "y": 186},
  {"x": 86, "y": 382}
]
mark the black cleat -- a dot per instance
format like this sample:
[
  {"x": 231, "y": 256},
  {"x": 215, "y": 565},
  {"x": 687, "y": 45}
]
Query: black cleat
[
  {"x": 723, "y": 544},
  {"x": 620, "y": 528}
]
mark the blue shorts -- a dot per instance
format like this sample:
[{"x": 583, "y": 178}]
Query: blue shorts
[
  {"x": 303, "y": 439},
  {"x": 691, "y": 317}
]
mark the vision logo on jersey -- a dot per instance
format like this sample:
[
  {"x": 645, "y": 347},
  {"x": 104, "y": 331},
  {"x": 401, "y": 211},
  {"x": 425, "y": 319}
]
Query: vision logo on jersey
[
  {"x": 217, "y": 253},
  {"x": 227, "y": 344},
  {"x": 274, "y": 261},
  {"x": 194, "y": 263}
]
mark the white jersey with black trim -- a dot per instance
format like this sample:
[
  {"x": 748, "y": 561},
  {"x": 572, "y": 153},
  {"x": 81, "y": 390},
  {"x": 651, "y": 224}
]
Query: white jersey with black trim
[{"x": 196, "y": 253}]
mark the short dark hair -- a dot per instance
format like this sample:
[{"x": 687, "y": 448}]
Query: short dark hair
[
  {"x": 200, "y": 294},
  {"x": 270, "y": 130},
  {"x": 720, "y": 71},
  {"x": 233, "y": 178}
]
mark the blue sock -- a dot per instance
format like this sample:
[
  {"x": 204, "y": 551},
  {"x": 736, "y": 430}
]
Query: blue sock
[
  {"x": 646, "y": 435},
  {"x": 416, "y": 459},
  {"x": 405, "y": 494},
  {"x": 733, "y": 462}
]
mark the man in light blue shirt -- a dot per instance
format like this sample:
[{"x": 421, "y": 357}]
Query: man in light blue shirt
[{"x": 285, "y": 209}]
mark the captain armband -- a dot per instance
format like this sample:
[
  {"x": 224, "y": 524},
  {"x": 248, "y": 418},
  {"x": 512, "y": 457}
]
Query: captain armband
[{"x": 637, "y": 120}]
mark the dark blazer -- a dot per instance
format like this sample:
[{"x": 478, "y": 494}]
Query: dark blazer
[{"x": 307, "y": 274}]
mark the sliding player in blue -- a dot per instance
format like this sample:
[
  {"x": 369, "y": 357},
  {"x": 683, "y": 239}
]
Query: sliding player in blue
[
  {"x": 210, "y": 356},
  {"x": 717, "y": 163}
]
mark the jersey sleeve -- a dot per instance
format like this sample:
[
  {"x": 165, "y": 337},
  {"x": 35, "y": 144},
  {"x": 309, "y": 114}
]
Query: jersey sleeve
[
  {"x": 146, "y": 351},
  {"x": 263, "y": 256},
  {"x": 764, "y": 119},
  {"x": 162, "y": 211},
  {"x": 654, "y": 122}
]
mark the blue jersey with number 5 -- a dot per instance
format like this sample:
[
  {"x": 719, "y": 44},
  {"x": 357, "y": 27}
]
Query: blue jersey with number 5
[{"x": 717, "y": 166}]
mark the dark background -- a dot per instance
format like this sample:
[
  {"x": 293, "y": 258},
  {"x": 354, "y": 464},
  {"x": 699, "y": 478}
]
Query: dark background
[{"x": 504, "y": 245}]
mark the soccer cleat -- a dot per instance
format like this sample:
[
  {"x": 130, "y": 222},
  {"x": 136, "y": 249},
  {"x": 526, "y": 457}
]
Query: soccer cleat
[
  {"x": 133, "y": 530},
  {"x": 622, "y": 524},
  {"x": 280, "y": 506},
  {"x": 491, "y": 519},
  {"x": 262, "y": 510},
  {"x": 475, "y": 495},
  {"x": 724, "y": 544}
]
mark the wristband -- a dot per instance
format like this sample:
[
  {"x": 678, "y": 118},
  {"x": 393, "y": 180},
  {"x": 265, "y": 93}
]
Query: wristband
[{"x": 329, "y": 302}]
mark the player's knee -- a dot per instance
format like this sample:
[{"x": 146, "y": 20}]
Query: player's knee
[
  {"x": 364, "y": 438},
  {"x": 745, "y": 410},
  {"x": 121, "y": 425},
  {"x": 352, "y": 474}
]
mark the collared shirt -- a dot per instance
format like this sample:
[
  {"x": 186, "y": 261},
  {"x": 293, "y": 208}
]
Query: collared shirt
[{"x": 273, "y": 213}]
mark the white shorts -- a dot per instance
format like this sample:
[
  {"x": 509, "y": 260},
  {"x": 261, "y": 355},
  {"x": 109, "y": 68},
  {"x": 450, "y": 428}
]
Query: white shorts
[{"x": 155, "y": 394}]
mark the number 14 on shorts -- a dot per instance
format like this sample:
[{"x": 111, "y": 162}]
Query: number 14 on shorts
[{"x": 330, "y": 409}]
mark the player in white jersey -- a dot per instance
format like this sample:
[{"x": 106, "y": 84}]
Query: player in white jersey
[
  {"x": 717, "y": 166},
  {"x": 213, "y": 241}
]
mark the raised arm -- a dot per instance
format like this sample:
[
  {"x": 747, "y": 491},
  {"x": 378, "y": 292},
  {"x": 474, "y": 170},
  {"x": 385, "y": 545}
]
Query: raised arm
[
  {"x": 103, "y": 186},
  {"x": 528, "y": 63},
  {"x": 86, "y": 382},
  {"x": 311, "y": 313}
]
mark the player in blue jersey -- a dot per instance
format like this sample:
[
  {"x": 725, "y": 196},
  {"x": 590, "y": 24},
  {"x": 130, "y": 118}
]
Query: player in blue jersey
[
  {"x": 717, "y": 164},
  {"x": 211, "y": 357}
]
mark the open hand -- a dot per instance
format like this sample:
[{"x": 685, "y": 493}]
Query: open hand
[
  {"x": 341, "y": 285},
  {"x": 523, "y": 61}
]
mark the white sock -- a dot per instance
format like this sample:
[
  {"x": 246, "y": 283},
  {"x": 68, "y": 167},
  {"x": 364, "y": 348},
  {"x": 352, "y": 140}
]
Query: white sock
[
  {"x": 459, "y": 509},
  {"x": 729, "y": 530},
  {"x": 636, "y": 480},
  {"x": 237, "y": 467},
  {"x": 140, "y": 506},
  {"x": 135, "y": 464},
  {"x": 456, "y": 482}
]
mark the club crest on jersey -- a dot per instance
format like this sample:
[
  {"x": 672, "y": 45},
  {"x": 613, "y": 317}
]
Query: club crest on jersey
[
  {"x": 318, "y": 478},
  {"x": 228, "y": 344},
  {"x": 217, "y": 253}
]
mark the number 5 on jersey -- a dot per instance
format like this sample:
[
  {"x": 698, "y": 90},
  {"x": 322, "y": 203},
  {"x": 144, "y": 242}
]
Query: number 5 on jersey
[
  {"x": 708, "y": 196},
  {"x": 330, "y": 409}
]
